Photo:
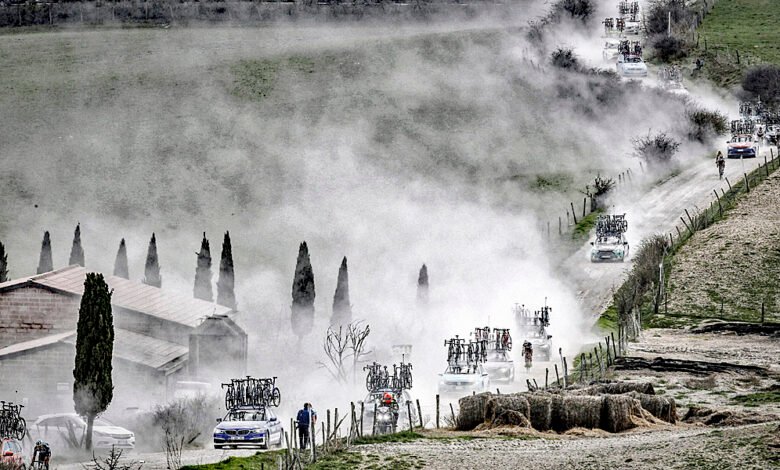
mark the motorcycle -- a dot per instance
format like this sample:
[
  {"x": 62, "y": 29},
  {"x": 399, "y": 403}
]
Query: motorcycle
[{"x": 386, "y": 419}]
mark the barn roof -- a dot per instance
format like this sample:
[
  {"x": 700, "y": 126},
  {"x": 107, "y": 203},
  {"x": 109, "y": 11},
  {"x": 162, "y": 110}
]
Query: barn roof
[
  {"x": 132, "y": 347},
  {"x": 129, "y": 295}
]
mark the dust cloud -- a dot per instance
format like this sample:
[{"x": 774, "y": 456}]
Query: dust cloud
[{"x": 394, "y": 146}]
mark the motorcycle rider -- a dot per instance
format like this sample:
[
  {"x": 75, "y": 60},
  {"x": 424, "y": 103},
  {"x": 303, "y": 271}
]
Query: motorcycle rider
[
  {"x": 720, "y": 162},
  {"x": 41, "y": 453},
  {"x": 389, "y": 401}
]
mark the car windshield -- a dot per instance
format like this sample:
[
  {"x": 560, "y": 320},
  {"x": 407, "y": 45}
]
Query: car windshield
[
  {"x": 102, "y": 422},
  {"x": 634, "y": 60},
  {"x": 742, "y": 138},
  {"x": 611, "y": 45},
  {"x": 11, "y": 446},
  {"x": 498, "y": 356},
  {"x": 246, "y": 415}
]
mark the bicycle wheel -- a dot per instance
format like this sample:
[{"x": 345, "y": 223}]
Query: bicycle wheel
[
  {"x": 21, "y": 428},
  {"x": 276, "y": 397}
]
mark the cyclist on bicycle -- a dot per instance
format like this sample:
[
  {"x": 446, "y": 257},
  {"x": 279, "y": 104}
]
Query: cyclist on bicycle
[
  {"x": 41, "y": 453},
  {"x": 720, "y": 162}
]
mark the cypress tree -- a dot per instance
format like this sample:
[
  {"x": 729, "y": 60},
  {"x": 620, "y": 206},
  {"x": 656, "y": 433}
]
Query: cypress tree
[
  {"x": 45, "y": 263},
  {"x": 225, "y": 284},
  {"x": 76, "y": 251},
  {"x": 120, "y": 264},
  {"x": 202, "y": 288},
  {"x": 3, "y": 263},
  {"x": 303, "y": 294},
  {"x": 342, "y": 310},
  {"x": 422, "y": 285},
  {"x": 93, "y": 388},
  {"x": 152, "y": 269}
]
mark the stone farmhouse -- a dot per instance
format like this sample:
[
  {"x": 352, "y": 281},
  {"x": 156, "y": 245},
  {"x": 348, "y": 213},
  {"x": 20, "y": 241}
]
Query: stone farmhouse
[{"x": 162, "y": 339}]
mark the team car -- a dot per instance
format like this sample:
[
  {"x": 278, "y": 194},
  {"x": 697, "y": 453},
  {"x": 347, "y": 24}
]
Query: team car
[
  {"x": 629, "y": 65},
  {"x": 610, "y": 243},
  {"x": 611, "y": 49},
  {"x": 105, "y": 434},
  {"x": 248, "y": 426},
  {"x": 12, "y": 456},
  {"x": 742, "y": 146},
  {"x": 500, "y": 366},
  {"x": 457, "y": 380}
]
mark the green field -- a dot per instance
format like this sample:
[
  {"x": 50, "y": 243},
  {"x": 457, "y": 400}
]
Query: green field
[{"x": 747, "y": 26}]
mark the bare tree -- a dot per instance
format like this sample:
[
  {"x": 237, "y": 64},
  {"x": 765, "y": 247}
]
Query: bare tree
[
  {"x": 345, "y": 347},
  {"x": 335, "y": 345}
]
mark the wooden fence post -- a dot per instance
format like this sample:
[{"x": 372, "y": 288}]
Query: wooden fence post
[
  {"x": 419, "y": 413},
  {"x": 437, "y": 411},
  {"x": 727, "y": 182},
  {"x": 584, "y": 205},
  {"x": 747, "y": 183},
  {"x": 573, "y": 214}
]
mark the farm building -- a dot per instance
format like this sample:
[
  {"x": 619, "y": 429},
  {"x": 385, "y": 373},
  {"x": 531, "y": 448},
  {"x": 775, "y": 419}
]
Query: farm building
[{"x": 158, "y": 334}]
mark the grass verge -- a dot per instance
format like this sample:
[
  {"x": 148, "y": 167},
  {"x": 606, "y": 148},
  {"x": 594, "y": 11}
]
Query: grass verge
[{"x": 585, "y": 225}]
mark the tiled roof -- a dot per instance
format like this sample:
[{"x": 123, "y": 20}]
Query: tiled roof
[
  {"x": 142, "y": 349},
  {"x": 34, "y": 343},
  {"x": 133, "y": 347},
  {"x": 130, "y": 295}
]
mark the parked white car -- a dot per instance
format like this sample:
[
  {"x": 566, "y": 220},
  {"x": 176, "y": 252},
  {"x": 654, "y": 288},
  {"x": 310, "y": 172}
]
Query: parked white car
[
  {"x": 104, "y": 434},
  {"x": 611, "y": 49},
  {"x": 631, "y": 66}
]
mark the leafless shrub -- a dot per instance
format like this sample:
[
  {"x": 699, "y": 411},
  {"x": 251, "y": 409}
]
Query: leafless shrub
[
  {"x": 565, "y": 59},
  {"x": 655, "y": 150},
  {"x": 763, "y": 81},
  {"x": 669, "y": 48},
  {"x": 704, "y": 124},
  {"x": 112, "y": 461},
  {"x": 183, "y": 423}
]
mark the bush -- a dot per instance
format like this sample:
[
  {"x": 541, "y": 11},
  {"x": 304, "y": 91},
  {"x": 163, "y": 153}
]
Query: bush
[
  {"x": 763, "y": 81},
  {"x": 669, "y": 48},
  {"x": 656, "y": 150},
  {"x": 578, "y": 9},
  {"x": 657, "y": 19},
  {"x": 188, "y": 418},
  {"x": 601, "y": 187},
  {"x": 565, "y": 59},
  {"x": 704, "y": 124}
]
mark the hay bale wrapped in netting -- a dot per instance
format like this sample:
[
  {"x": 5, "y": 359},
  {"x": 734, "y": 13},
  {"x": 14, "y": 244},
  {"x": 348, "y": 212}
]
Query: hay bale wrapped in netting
[
  {"x": 507, "y": 410},
  {"x": 540, "y": 410},
  {"x": 615, "y": 388},
  {"x": 619, "y": 412},
  {"x": 663, "y": 408},
  {"x": 472, "y": 411},
  {"x": 582, "y": 412}
]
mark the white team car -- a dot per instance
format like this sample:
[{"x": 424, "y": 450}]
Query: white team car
[
  {"x": 456, "y": 380},
  {"x": 675, "y": 88},
  {"x": 248, "y": 426},
  {"x": 611, "y": 49},
  {"x": 609, "y": 248},
  {"x": 631, "y": 66},
  {"x": 500, "y": 366},
  {"x": 632, "y": 27},
  {"x": 105, "y": 434}
]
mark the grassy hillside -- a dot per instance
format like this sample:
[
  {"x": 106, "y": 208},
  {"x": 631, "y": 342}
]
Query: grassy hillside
[
  {"x": 729, "y": 269},
  {"x": 747, "y": 26}
]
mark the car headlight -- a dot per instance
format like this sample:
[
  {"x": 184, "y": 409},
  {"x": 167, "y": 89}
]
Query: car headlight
[
  {"x": 258, "y": 431},
  {"x": 219, "y": 431}
]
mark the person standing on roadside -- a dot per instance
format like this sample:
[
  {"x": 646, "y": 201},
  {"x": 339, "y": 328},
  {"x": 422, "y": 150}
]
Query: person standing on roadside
[{"x": 306, "y": 418}]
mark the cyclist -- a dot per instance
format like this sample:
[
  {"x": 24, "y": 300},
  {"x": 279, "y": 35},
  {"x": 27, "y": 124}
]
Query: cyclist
[
  {"x": 528, "y": 353},
  {"x": 41, "y": 453},
  {"x": 721, "y": 163}
]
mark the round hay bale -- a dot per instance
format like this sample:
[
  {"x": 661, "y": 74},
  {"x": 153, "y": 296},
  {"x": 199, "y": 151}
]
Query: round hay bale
[
  {"x": 618, "y": 413},
  {"x": 663, "y": 408},
  {"x": 582, "y": 412},
  {"x": 540, "y": 415},
  {"x": 507, "y": 410},
  {"x": 472, "y": 411}
]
